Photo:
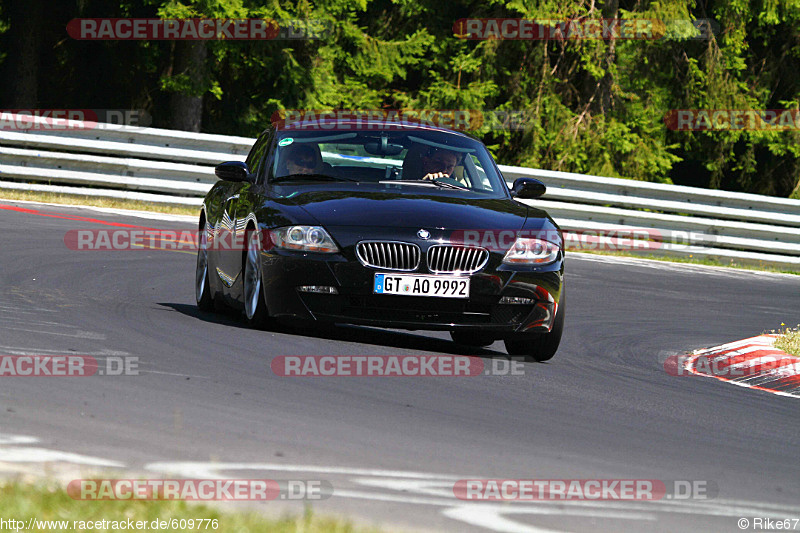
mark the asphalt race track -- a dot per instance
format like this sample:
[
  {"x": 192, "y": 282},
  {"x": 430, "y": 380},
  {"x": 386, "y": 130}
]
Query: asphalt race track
[{"x": 392, "y": 447}]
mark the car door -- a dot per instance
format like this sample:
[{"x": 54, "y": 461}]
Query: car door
[{"x": 234, "y": 217}]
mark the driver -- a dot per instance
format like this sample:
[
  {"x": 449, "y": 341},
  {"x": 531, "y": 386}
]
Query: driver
[
  {"x": 438, "y": 163},
  {"x": 302, "y": 159}
]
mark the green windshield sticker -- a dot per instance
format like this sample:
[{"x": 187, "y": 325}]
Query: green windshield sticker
[{"x": 285, "y": 142}]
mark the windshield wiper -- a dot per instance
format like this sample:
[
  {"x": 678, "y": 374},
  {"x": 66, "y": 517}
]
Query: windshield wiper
[
  {"x": 427, "y": 183},
  {"x": 450, "y": 185},
  {"x": 408, "y": 182},
  {"x": 311, "y": 177}
]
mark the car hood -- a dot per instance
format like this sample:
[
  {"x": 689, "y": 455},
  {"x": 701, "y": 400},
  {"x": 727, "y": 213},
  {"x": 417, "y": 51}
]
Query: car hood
[{"x": 360, "y": 208}]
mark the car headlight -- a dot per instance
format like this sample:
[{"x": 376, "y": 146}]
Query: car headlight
[
  {"x": 531, "y": 251},
  {"x": 304, "y": 238}
]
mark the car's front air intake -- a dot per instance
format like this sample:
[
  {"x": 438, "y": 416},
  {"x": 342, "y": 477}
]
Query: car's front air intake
[
  {"x": 389, "y": 255},
  {"x": 448, "y": 259}
]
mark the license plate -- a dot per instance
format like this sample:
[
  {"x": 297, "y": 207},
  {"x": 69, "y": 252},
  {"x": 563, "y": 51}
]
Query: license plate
[{"x": 414, "y": 285}]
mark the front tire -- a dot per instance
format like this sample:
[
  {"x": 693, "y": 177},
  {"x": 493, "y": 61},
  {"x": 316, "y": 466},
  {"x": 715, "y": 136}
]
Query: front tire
[
  {"x": 255, "y": 307},
  {"x": 202, "y": 287},
  {"x": 539, "y": 347}
]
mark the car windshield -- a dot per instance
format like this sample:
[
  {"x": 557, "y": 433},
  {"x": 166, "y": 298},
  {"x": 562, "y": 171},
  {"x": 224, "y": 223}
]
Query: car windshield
[{"x": 414, "y": 159}]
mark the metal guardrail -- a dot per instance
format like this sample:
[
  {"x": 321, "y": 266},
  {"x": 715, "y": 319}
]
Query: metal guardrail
[{"x": 177, "y": 167}]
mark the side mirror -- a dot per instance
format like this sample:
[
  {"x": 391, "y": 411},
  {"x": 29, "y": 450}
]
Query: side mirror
[
  {"x": 527, "y": 188},
  {"x": 233, "y": 171}
]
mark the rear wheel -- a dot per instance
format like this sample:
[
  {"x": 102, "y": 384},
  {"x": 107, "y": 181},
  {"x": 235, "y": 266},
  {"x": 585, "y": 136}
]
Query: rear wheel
[
  {"x": 255, "y": 307},
  {"x": 202, "y": 288},
  {"x": 471, "y": 338},
  {"x": 539, "y": 347}
]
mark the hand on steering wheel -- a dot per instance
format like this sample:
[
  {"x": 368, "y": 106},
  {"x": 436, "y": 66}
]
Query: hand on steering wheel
[{"x": 435, "y": 175}]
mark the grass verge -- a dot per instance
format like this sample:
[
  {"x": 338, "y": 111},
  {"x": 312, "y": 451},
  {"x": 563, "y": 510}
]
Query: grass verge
[
  {"x": 96, "y": 201},
  {"x": 789, "y": 341},
  {"x": 48, "y": 502}
]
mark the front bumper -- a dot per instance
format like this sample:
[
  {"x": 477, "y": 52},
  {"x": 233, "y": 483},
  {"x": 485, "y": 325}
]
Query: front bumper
[{"x": 355, "y": 303}]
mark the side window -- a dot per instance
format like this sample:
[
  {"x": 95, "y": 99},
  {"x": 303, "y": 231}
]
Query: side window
[
  {"x": 255, "y": 159},
  {"x": 266, "y": 161},
  {"x": 481, "y": 177}
]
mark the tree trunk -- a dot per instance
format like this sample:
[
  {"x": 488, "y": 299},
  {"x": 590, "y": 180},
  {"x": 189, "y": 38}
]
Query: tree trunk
[
  {"x": 796, "y": 192},
  {"x": 187, "y": 108},
  {"x": 610, "y": 11},
  {"x": 22, "y": 61}
]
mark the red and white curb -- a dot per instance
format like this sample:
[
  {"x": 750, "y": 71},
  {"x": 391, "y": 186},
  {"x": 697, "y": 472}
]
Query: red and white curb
[{"x": 753, "y": 363}]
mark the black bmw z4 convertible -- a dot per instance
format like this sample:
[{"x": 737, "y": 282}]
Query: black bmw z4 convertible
[{"x": 392, "y": 225}]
